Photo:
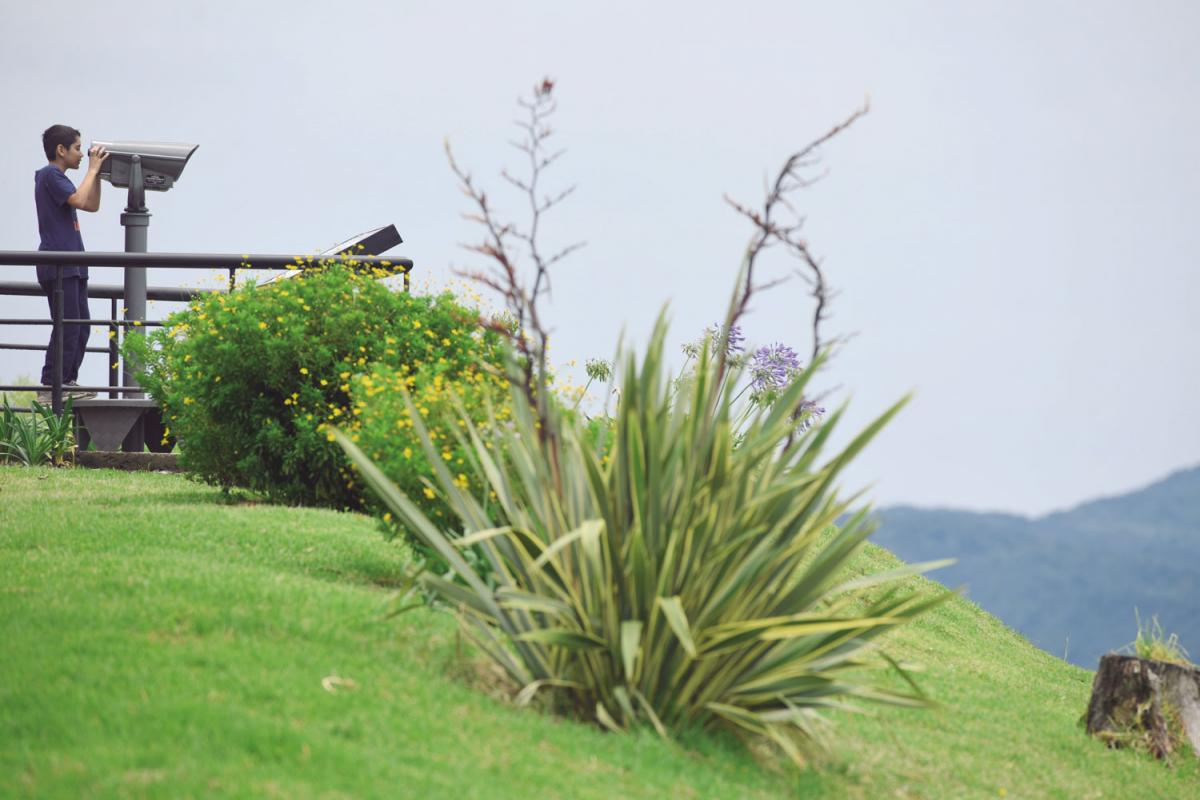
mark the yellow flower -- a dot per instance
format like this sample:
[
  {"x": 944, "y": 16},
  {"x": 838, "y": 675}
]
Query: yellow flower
[
  {"x": 417, "y": 324},
  {"x": 304, "y": 370},
  {"x": 429, "y": 493},
  {"x": 408, "y": 452},
  {"x": 262, "y": 326},
  {"x": 330, "y": 436}
]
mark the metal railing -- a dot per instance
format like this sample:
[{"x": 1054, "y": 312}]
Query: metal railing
[{"x": 59, "y": 259}]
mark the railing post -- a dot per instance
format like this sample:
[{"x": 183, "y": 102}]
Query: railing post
[
  {"x": 114, "y": 353},
  {"x": 57, "y": 332}
]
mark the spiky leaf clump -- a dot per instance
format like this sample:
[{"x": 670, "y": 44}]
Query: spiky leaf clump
[{"x": 689, "y": 575}]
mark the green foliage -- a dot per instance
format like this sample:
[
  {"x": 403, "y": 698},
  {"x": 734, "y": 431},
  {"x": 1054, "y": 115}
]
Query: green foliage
[
  {"x": 36, "y": 437},
  {"x": 1153, "y": 643},
  {"x": 383, "y": 426},
  {"x": 248, "y": 381},
  {"x": 689, "y": 577}
]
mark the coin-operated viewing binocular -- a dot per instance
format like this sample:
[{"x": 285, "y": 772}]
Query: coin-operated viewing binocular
[
  {"x": 138, "y": 166},
  {"x": 161, "y": 163}
]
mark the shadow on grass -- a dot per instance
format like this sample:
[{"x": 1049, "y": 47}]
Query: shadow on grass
[
  {"x": 365, "y": 573},
  {"x": 200, "y": 496}
]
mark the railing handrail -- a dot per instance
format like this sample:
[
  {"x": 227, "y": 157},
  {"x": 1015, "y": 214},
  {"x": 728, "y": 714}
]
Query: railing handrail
[
  {"x": 225, "y": 261},
  {"x": 107, "y": 291},
  {"x": 40, "y": 387}
]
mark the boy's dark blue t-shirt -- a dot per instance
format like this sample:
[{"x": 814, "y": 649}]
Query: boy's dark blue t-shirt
[{"x": 57, "y": 221}]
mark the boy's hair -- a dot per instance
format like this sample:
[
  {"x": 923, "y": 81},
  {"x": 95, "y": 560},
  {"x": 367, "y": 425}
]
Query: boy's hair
[{"x": 56, "y": 135}]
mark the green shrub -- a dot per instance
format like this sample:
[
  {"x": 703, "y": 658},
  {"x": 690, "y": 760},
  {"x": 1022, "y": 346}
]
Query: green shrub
[
  {"x": 36, "y": 437},
  {"x": 248, "y": 381},
  {"x": 691, "y": 576},
  {"x": 384, "y": 427}
]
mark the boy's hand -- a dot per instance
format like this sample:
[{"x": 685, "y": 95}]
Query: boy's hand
[{"x": 97, "y": 155}]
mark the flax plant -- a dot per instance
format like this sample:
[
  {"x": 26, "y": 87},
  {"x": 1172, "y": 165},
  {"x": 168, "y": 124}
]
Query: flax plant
[{"x": 689, "y": 576}]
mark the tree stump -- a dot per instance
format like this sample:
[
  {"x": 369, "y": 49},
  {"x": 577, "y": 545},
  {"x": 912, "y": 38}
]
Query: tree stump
[{"x": 1139, "y": 698}]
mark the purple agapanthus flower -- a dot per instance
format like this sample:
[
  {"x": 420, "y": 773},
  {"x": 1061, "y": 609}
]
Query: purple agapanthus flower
[
  {"x": 810, "y": 413},
  {"x": 773, "y": 367},
  {"x": 735, "y": 343}
]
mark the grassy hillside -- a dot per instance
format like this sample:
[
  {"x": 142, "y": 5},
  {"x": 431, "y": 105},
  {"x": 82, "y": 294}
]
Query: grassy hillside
[{"x": 156, "y": 641}]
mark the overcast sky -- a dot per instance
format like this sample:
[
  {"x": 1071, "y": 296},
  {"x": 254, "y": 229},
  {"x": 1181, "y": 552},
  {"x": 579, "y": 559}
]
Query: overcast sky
[{"x": 1011, "y": 228}]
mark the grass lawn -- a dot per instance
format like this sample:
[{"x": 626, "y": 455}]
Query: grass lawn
[{"x": 157, "y": 641}]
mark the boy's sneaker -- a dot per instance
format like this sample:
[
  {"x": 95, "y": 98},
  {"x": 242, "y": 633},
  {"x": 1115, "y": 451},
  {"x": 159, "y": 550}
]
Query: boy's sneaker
[
  {"x": 46, "y": 397},
  {"x": 72, "y": 389}
]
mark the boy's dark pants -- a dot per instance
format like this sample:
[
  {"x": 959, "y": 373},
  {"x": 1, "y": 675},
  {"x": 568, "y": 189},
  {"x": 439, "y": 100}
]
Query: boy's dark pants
[{"x": 75, "y": 306}]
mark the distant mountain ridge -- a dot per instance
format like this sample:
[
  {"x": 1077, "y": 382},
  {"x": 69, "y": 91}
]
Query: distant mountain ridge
[{"x": 1069, "y": 581}]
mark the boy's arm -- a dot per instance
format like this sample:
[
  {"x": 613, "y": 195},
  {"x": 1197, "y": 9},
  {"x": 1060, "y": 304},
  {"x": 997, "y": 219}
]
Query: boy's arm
[{"x": 87, "y": 197}]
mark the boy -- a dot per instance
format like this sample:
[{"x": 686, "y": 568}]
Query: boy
[{"x": 57, "y": 202}]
